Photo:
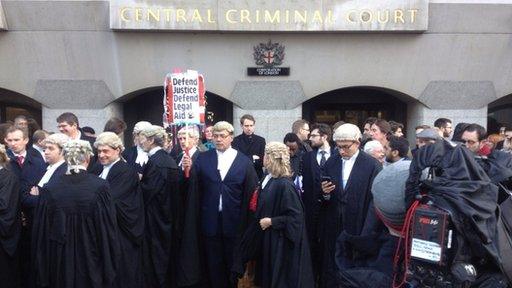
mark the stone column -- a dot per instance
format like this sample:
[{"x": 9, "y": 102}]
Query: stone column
[{"x": 275, "y": 105}]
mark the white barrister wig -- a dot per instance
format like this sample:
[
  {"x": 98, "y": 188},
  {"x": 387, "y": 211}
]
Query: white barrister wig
[
  {"x": 76, "y": 153},
  {"x": 347, "y": 132},
  {"x": 109, "y": 139},
  {"x": 141, "y": 125}
]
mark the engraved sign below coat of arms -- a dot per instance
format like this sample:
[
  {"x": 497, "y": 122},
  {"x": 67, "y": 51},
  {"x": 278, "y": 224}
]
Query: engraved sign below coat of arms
[{"x": 269, "y": 55}]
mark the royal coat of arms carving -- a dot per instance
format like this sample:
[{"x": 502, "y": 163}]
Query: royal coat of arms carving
[{"x": 269, "y": 54}]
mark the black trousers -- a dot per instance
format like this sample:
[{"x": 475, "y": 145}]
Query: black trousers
[
  {"x": 219, "y": 258},
  {"x": 9, "y": 270}
]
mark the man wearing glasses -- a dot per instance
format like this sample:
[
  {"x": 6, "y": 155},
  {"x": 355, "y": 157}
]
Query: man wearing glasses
[
  {"x": 226, "y": 180},
  {"x": 313, "y": 164},
  {"x": 348, "y": 195}
]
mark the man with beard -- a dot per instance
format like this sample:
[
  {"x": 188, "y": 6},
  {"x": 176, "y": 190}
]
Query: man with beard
[
  {"x": 127, "y": 198},
  {"x": 252, "y": 145},
  {"x": 315, "y": 206},
  {"x": 445, "y": 127},
  {"x": 159, "y": 183},
  {"x": 347, "y": 197}
]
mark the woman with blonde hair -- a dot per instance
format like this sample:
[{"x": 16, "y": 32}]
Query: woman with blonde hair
[
  {"x": 10, "y": 222},
  {"x": 277, "y": 237}
]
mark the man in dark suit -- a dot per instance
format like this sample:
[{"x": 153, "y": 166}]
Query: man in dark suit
[
  {"x": 348, "y": 195},
  {"x": 250, "y": 144},
  {"x": 127, "y": 198},
  {"x": 226, "y": 180},
  {"x": 314, "y": 206},
  {"x": 28, "y": 165}
]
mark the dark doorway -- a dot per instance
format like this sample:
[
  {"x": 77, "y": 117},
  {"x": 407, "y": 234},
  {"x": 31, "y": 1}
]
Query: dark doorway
[
  {"x": 13, "y": 104},
  {"x": 147, "y": 105},
  {"x": 499, "y": 114},
  {"x": 354, "y": 105}
]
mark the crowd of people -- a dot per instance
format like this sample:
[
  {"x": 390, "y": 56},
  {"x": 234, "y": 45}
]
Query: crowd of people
[{"x": 201, "y": 207}]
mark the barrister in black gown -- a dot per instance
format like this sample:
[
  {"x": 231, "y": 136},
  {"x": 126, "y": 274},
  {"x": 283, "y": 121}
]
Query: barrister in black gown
[
  {"x": 188, "y": 139},
  {"x": 10, "y": 224},
  {"x": 277, "y": 236},
  {"x": 135, "y": 156},
  {"x": 75, "y": 231},
  {"x": 159, "y": 182},
  {"x": 127, "y": 197},
  {"x": 348, "y": 197},
  {"x": 250, "y": 144}
]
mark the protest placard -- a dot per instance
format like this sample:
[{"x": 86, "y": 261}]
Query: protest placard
[{"x": 184, "y": 101}]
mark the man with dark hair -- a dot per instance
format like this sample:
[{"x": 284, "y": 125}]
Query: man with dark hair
[
  {"x": 293, "y": 142},
  {"x": 68, "y": 124},
  {"x": 301, "y": 129},
  {"x": 314, "y": 206},
  {"x": 30, "y": 167},
  {"x": 368, "y": 125},
  {"x": 250, "y": 144},
  {"x": 115, "y": 125},
  {"x": 397, "y": 128},
  {"x": 380, "y": 131},
  {"x": 38, "y": 141},
  {"x": 445, "y": 127},
  {"x": 21, "y": 121},
  {"x": 89, "y": 131},
  {"x": 396, "y": 149},
  {"x": 472, "y": 137}
]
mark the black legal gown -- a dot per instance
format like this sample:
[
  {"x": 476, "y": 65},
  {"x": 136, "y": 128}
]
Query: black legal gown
[
  {"x": 124, "y": 186},
  {"x": 159, "y": 182},
  {"x": 10, "y": 228},
  {"x": 75, "y": 234},
  {"x": 281, "y": 251}
]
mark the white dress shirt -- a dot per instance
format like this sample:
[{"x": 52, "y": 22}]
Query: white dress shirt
[
  {"x": 347, "y": 168},
  {"x": 78, "y": 136},
  {"x": 106, "y": 169},
  {"x": 154, "y": 150},
  {"x": 39, "y": 149},
  {"x": 265, "y": 180},
  {"x": 224, "y": 161},
  {"x": 142, "y": 156},
  {"x": 24, "y": 154},
  {"x": 49, "y": 173},
  {"x": 319, "y": 155}
]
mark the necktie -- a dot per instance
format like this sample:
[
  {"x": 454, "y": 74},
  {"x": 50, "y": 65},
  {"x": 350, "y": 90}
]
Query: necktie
[
  {"x": 322, "y": 159},
  {"x": 20, "y": 160}
]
